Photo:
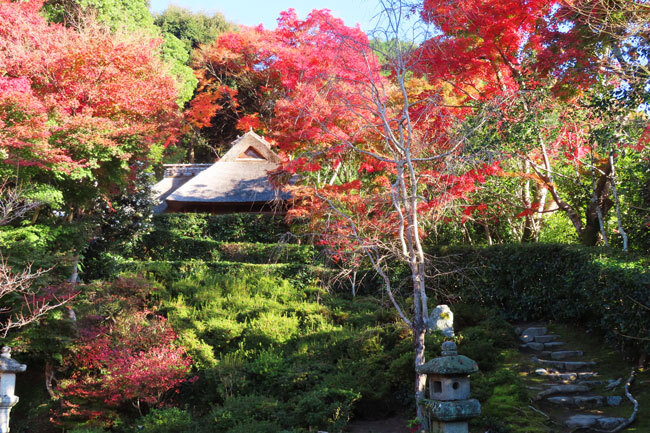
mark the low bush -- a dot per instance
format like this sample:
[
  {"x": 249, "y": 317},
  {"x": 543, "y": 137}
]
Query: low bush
[
  {"x": 165, "y": 245},
  {"x": 224, "y": 228},
  {"x": 166, "y": 420},
  {"x": 167, "y": 272}
]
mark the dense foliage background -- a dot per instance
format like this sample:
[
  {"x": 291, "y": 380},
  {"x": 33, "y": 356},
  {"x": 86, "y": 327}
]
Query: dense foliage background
[{"x": 259, "y": 323}]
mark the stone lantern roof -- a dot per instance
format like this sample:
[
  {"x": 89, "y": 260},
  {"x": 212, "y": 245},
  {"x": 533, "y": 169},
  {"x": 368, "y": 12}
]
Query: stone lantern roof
[
  {"x": 8, "y": 365},
  {"x": 450, "y": 363}
]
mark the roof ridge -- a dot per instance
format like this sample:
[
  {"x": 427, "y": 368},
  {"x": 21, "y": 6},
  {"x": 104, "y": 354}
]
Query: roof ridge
[{"x": 252, "y": 134}]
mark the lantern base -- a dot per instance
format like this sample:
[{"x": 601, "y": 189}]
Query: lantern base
[{"x": 449, "y": 427}]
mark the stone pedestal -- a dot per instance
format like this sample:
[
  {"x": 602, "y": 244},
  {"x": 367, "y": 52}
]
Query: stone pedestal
[{"x": 8, "y": 369}]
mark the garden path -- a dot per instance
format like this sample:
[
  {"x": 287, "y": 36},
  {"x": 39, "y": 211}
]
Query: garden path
[{"x": 573, "y": 393}]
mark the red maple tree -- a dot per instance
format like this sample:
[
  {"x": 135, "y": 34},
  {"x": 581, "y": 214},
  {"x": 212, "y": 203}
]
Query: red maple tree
[
  {"x": 136, "y": 359},
  {"x": 74, "y": 100}
]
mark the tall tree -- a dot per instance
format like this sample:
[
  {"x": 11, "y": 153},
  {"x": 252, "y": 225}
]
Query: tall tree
[
  {"x": 537, "y": 55},
  {"x": 192, "y": 28},
  {"x": 370, "y": 152}
]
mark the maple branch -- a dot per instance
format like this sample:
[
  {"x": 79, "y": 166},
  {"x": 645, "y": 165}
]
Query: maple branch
[
  {"x": 376, "y": 262},
  {"x": 13, "y": 203},
  {"x": 20, "y": 283}
]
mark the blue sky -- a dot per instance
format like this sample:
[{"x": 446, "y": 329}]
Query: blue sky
[{"x": 254, "y": 12}]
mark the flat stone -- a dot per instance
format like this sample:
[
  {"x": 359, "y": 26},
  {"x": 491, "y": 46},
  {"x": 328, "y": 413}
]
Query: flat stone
[
  {"x": 582, "y": 421},
  {"x": 563, "y": 400},
  {"x": 614, "y": 400},
  {"x": 588, "y": 400},
  {"x": 609, "y": 423},
  {"x": 590, "y": 382},
  {"x": 555, "y": 364},
  {"x": 578, "y": 400},
  {"x": 564, "y": 354},
  {"x": 546, "y": 338},
  {"x": 553, "y": 344},
  {"x": 578, "y": 365},
  {"x": 568, "y": 377},
  {"x": 535, "y": 331},
  {"x": 561, "y": 389},
  {"x": 534, "y": 346}
]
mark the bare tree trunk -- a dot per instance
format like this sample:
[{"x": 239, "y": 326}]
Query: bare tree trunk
[
  {"x": 528, "y": 234},
  {"x": 488, "y": 235},
  {"x": 75, "y": 270},
  {"x": 49, "y": 379},
  {"x": 597, "y": 209},
  {"x": 419, "y": 332},
  {"x": 612, "y": 180}
]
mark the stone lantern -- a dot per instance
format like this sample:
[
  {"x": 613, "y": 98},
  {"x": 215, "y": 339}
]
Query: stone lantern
[
  {"x": 8, "y": 369},
  {"x": 449, "y": 407}
]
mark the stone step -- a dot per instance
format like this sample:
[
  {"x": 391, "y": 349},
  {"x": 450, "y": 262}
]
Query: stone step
[
  {"x": 585, "y": 400},
  {"x": 553, "y": 344},
  {"x": 564, "y": 354},
  {"x": 565, "y": 377},
  {"x": 533, "y": 346},
  {"x": 529, "y": 334},
  {"x": 589, "y": 421},
  {"x": 565, "y": 366},
  {"x": 590, "y": 382},
  {"x": 535, "y": 331},
  {"x": 558, "y": 355},
  {"x": 539, "y": 347},
  {"x": 562, "y": 389},
  {"x": 546, "y": 338}
]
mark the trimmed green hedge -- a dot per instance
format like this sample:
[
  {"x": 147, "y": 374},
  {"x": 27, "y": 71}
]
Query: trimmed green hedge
[
  {"x": 224, "y": 228},
  {"x": 166, "y": 245},
  {"x": 606, "y": 291},
  {"x": 168, "y": 271}
]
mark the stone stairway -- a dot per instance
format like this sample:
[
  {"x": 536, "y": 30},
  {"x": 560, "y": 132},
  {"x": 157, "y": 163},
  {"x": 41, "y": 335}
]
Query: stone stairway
[{"x": 571, "y": 393}]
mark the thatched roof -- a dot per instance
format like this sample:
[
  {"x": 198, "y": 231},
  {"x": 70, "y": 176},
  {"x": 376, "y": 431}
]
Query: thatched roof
[
  {"x": 176, "y": 175},
  {"x": 240, "y": 176}
]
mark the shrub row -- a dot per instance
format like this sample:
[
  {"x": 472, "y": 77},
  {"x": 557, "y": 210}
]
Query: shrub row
[
  {"x": 168, "y": 271},
  {"x": 165, "y": 245},
  {"x": 604, "y": 290},
  {"x": 224, "y": 228}
]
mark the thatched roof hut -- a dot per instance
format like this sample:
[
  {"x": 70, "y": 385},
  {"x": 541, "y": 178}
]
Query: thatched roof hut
[{"x": 238, "y": 182}]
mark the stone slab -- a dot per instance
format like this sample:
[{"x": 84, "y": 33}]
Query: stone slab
[
  {"x": 564, "y": 354},
  {"x": 546, "y": 338},
  {"x": 535, "y": 331},
  {"x": 562, "y": 400},
  {"x": 578, "y": 365},
  {"x": 553, "y": 344},
  {"x": 533, "y": 346},
  {"x": 561, "y": 389},
  {"x": 578, "y": 400},
  {"x": 588, "y": 400}
]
